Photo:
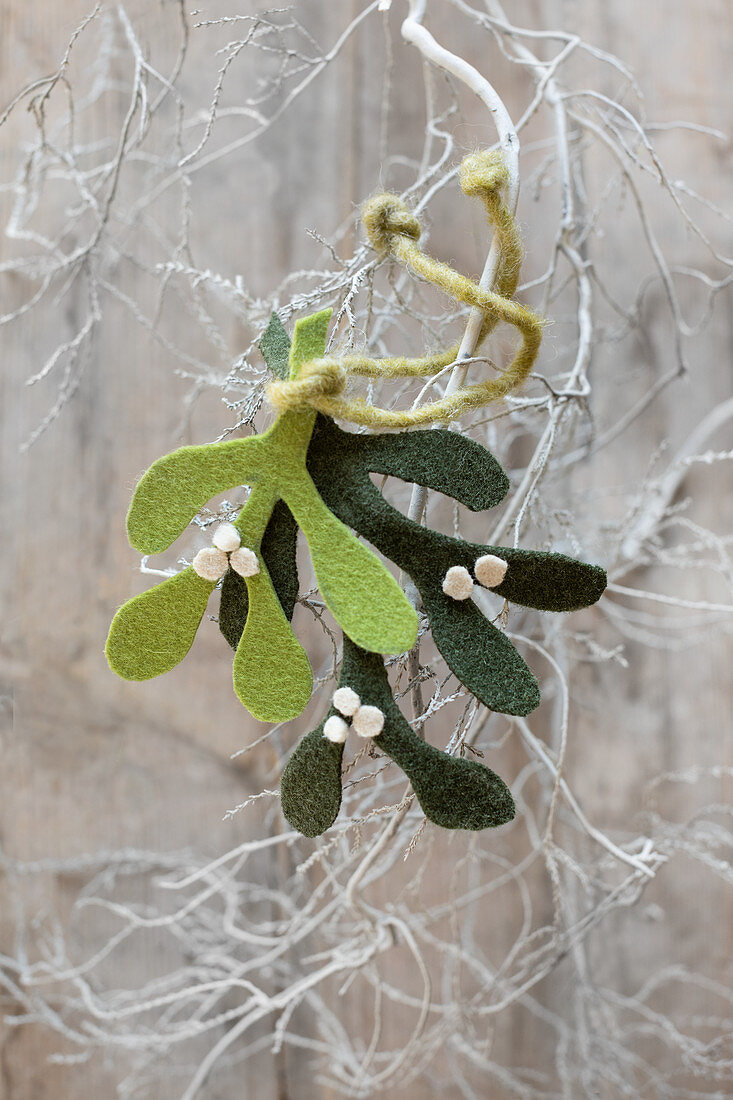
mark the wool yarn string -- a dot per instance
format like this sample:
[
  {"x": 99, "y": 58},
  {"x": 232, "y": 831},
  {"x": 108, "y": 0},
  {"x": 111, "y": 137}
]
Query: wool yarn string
[{"x": 394, "y": 230}]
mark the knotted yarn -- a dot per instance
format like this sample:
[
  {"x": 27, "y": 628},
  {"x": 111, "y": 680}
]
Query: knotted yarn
[
  {"x": 383, "y": 216},
  {"x": 393, "y": 230},
  {"x": 318, "y": 379}
]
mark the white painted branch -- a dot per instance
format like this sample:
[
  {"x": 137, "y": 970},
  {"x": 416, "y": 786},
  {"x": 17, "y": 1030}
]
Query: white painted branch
[{"x": 414, "y": 32}]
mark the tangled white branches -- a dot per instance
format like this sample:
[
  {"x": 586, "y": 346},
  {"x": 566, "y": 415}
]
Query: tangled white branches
[{"x": 389, "y": 958}]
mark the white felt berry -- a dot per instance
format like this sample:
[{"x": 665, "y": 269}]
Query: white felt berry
[
  {"x": 226, "y": 538},
  {"x": 244, "y": 561},
  {"x": 490, "y": 570},
  {"x": 368, "y": 722},
  {"x": 210, "y": 563},
  {"x": 458, "y": 583},
  {"x": 346, "y": 701},
  {"x": 335, "y": 729}
]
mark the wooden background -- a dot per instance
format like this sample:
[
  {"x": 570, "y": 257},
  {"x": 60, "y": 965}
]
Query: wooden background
[{"x": 89, "y": 762}]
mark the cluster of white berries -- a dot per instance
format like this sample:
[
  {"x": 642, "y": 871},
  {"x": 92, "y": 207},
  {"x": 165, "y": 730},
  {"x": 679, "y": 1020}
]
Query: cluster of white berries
[
  {"x": 212, "y": 562},
  {"x": 366, "y": 721},
  {"x": 489, "y": 570}
]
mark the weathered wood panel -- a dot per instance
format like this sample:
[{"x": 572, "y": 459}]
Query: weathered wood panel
[{"x": 90, "y": 763}]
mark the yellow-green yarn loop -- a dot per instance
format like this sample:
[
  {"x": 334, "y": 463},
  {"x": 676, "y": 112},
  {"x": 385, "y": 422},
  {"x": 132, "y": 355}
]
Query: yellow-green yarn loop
[
  {"x": 400, "y": 367},
  {"x": 393, "y": 229},
  {"x": 386, "y": 216},
  {"x": 483, "y": 171}
]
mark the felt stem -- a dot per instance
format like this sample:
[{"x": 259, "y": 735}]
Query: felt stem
[
  {"x": 287, "y": 442},
  {"x": 271, "y": 673},
  {"x": 363, "y": 596},
  {"x": 255, "y": 515}
]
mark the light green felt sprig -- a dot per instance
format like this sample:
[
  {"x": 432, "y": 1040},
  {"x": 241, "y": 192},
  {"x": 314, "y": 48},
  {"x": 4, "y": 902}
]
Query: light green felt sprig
[{"x": 154, "y": 631}]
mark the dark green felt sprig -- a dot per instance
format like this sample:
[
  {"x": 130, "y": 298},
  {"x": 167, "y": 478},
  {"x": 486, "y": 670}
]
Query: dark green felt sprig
[
  {"x": 453, "y": 792},
  {"x": 479, "y": 654}
]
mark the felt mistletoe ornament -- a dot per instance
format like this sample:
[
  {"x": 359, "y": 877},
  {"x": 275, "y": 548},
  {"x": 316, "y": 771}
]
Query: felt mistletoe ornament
[{"x": 307, "y": 473}]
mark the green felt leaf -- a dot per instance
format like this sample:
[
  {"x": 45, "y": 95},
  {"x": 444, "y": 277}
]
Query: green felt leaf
[
  {"x": 479, "y": 654},
  {"x": 445, "y": 461},
  {"x": 547, "y": 581},
  {"x": 275, "y": 347},
  {"x": 278, "y": 549},
  {"x": 310, "y": 788},
  {"x": 178, "y": 485},
  {"x": 271, "y": 673},
  {"x": 360, "y": 592},
  {"x": 309, "y": 339},
  {"x": 154, "y": 631},
  {"x": 358, "y": 589},
  {"x": 453, "y": 793},
  {"x": 272, "y": 676}
]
